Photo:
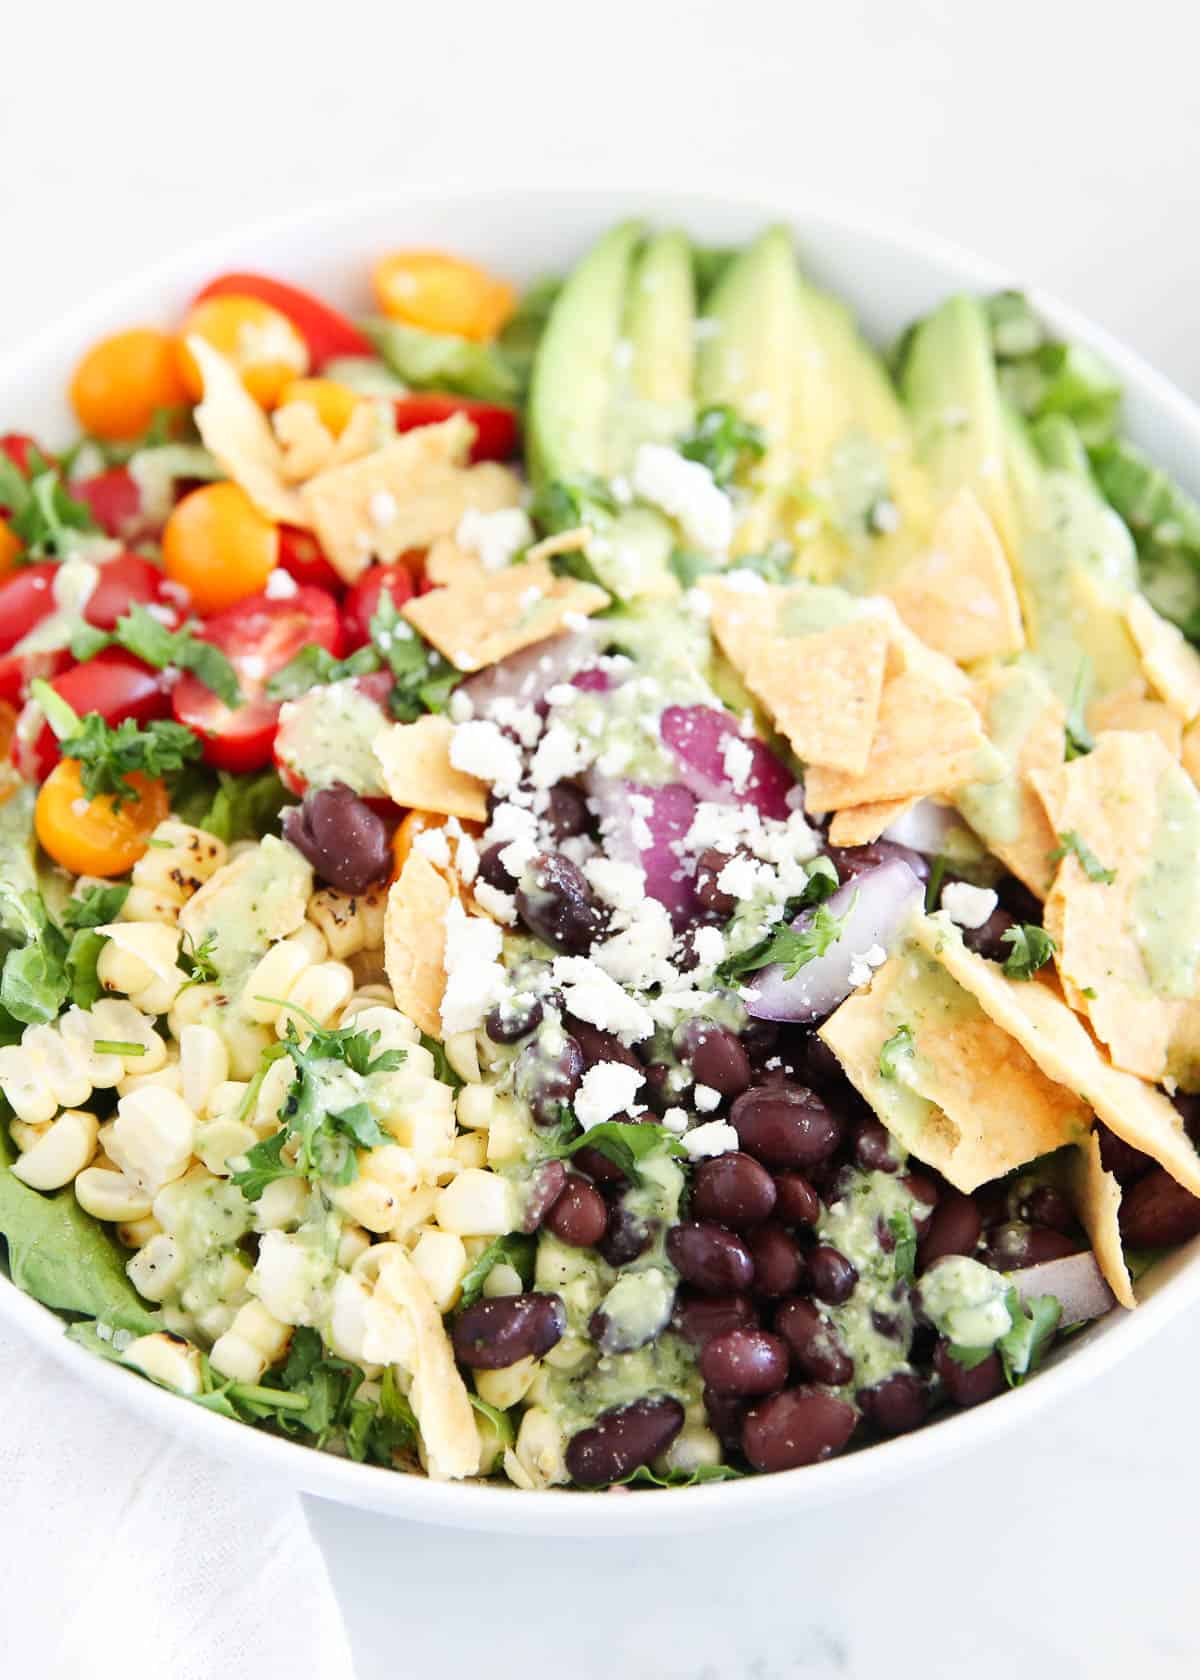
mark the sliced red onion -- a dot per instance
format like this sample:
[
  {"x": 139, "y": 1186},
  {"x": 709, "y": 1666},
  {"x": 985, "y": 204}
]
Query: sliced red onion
[
  {"x": 879, "y": 903},
  {"x": 1076, "y": 1281},
  {"x": 925, "y": 828},
  {"x": 593, "y": 681},
  {"x": 526, "y": 676},
  {"x": 628, "y": 812},
  {"x": 700, "y": 737}
]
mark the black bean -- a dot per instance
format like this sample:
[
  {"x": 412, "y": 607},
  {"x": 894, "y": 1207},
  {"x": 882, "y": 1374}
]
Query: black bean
[
  {"x": 700, "y": 1317},
  {"x": 816, "y": 1346},
  {"x": 852, "y": 861},
  {"x": 796, "y": 1202},
  {"x": 1158, "y": 1213},
  {"x": 987, "y": 940},
  {"x": 1126, "y": 1163},
  {"x": 831, "y": 1275},
  {"x": 492, "y": 872},
  {"x": 785, "y": 1125},
  {"x": 778, "y": 1262},
  {"x": 1047, "y": 1205},
  {"x": 709, "y": 895},
  {"x": 1014, "y": 1244},
  {"x": 968, "y": 1388},
  {"x": 797, "y": 1426},
  {"x": 501, "y": 1329},
  {"x": 598, "y": 1167},
  {"x": 547, "y": 1078},
  {"x": 733, "y": 1189},
  {"x": 925, "y": 1195},
  {"x": 556, "y": 904},
  {"x": 546, "y": 1183},
  {"x": 726, "y": 1415},
  {"x": 566, "y": 812},
  {"x": 897, "y": 1404},
  {"x": 622, "y": 1439},
  {"x": 954, "y": 1227},
  {"x": 514, "y": 1019},
  {"x": 710, "y": 1258},
  {"x": 598, "y": 1045},
  {"x": 627, "y": 1236},
  {"x": 580, "y": 1215},
  {"x": 1017, "y": 899},
  {"x": 760, "y": 1039},
  {"x": 716, "y": 1057},
  {"x": 748, "y": 1362},
  {"x": 873, "y": 1148},
  {"x": 341, "y": 836}
]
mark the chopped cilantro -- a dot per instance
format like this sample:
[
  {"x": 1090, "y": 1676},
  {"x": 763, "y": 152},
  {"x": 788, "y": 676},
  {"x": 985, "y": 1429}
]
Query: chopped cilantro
[
  {"x": 1031, "y": 946},
  {"x": 775, "y": 564},
  {"x": 622, "y": 1142},
  {"x": 315, "y": 667},
  {"x": 564, "y": 504},
  {"x": 514, "y": 1250},
  {"x": 41, "y": 512},
  {"x": 108, "y": 755},
  {"x": 1079, "y": 740},
  {"x": 442, "y": 1071},
  {"x": 792, "y": 947},
  {"x": 900, "y": 1044},
  {"x": 904, "y": 1254},
  {"x": 424, "y": 681},
  {"x": 723, "y": 442},
  {"x": 1033, "y": 1325},
  {"x": 139, "y": 632},
  {"x": 500, "y": 1421},
  {"x": 196, "y": 961},
  {"x": 1072, "y": 841},
  {"x": 933, "y": 889}
]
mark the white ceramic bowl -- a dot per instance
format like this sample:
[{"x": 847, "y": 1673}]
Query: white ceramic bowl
[{"x": 889, "y": 276}]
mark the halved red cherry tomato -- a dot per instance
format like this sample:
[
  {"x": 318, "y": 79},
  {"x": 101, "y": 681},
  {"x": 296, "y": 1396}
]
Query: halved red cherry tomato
[
  {"x": 326, "y": 332},
  {"x": 302, "y": 555},
  {"x": 26, "y": 597},
  {"x": 114, "y": 684},
  {"x": 497, "y": 432},
  {"x": 360, "y": 604},
  {"x": 289, "y": 745},
  {"x": 17, "y": 446},
  {"x": 259, "y": 635},
  {"x": 124, "y": 580},
  {"x": 115, "y": 501}
]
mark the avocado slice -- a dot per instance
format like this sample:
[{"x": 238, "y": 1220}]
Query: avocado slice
[{"x": 660, "y": 329}]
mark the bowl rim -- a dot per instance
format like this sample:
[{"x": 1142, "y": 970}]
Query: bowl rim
[{"x": 561, "y": 1511}]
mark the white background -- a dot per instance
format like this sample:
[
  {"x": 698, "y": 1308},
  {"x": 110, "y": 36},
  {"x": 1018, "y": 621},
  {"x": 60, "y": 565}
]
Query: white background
[{"x": 1059, "y": 139}]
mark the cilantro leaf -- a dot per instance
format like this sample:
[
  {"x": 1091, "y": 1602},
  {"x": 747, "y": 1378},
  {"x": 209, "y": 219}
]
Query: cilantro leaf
[
  {"x": 1079, "y": 739},
  {"x": 900, "y": 1045},
  {"x": 196, "y": 961},
  {"x": 442, "y": 1071},
  {"x": 139, "y": 632},
  {"x": 41, "y": 511},
  {"x": 933, "y": 889},
  {"x": 264, "y": 1164},
  {"x": 792, "y": 947},
  {"x": 904, "y": 1255},
  {"x": 315, "y": 667},
  {"x": 108, "y": 755},
  {"x": 500, "y": 1421},
  {"x": 95, "y": 907},
  {"x": 774, "y": 564},
  {"x": 1072, "y": 841},
  {"x": 1032, "y": 947},
  {"x": 723, "y": 442},
  {"x": 423, "y": 680},
  {"x": 624, "y": 1143},
  {"x": 513, "y": 1250},
  {"x": 1033, "y": 1325}
]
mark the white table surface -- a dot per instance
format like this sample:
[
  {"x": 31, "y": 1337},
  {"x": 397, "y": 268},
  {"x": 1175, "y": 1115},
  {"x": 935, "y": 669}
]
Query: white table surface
[{"x": 1060, "y": 139}]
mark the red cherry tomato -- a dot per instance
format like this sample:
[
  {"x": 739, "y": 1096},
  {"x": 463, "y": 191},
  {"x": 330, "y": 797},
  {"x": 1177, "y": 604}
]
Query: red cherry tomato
[
  {"x": 497, "y": 433},
  {"x": 114, "y": 684},
  {"x": 259, "y": 635},
  {"x": 326, "y": 332},
  {"x": 302, "y": 555},
  {"x": 360, "y": 604},
  {"x": 17, "y": 446},
  {"x": 124, "y": 580},
  {"x": 376, "y": 685},
  {"x": 26, "y": 597},
  {"x": 115, "y": 501}
]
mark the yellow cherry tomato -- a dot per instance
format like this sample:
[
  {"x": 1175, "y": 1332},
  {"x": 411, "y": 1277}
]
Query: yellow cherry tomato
[
  {"x": 10, "y": 549},
  {"x": 261, "y": 342},
  {"x": 94, "y": 836},
  {"x": 333, "y": 402},
  {"x": 219, "y": 546},
  {"x": 416, "y": 822},
  {"x": 122, "y": 380},
  {"x": 442, "y": 294}
]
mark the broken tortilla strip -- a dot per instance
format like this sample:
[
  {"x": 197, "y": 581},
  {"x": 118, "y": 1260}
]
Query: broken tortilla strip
[
  {"x": 928, "y": 740},
  {"x": 1097, "y": 1197},
  {"x": 859, "y": 825},
  {"x": 237, "y": 432},
  {"x": 573, "y": 541},
  {"x": 414, "y": 941},
  {"x": 1169, "y": 661},
  {"x": 1128, "y": 954},
  {"x": 1190, "y": 752},
  {"x": 1131, "y": 711},
  {"x": 962, "y": 1095},
  {"x": 404, "y": 495},
  {"x": 959, "y": 597},
  {"x": 819, "y": 677},
  {"x": 478, "y": 620},
  {"x": 1057, "y": 1040},
  {"x": 414, "y": 761},
  {"x": 1025, "y": 722}
]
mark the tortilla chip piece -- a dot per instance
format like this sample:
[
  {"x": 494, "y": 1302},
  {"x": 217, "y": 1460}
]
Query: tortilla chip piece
[
  {"x": 960, "y": 597},
  {"x": 1025, "y": 723},
  {"x": 1057, "y": 1040},
  {"x": 483, "y": 617},
  {"x": 236, "y": 431},
  {"x": 858, "y": 825},
  {"x": 822, "y": 686},
  {"x": 1098, "y": 1202},
  {"x": 928, "y": 740},
  {"x": 414, "y": 941},
  {"x": 304, "y": 442},
  {"x": 439, "y": 1395},
  {"x": 414, "y": 761},
  {"x": 1190, "y": 751},
  {"x": 1127, "y": 958},
  {"x": 447, "y": 563},
  {"x": 1131, "y": 711},
  {"x": 1170, "y": 662},
  {"x": 965, "y": 1098},
  {"x": 573, "y": 541},
  {"x": 405, "y": 495}
]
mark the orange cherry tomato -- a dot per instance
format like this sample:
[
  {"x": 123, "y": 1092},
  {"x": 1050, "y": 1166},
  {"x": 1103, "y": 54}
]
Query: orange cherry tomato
[
  {"x": 122, "y": 380},
  {"x": 442, "y": 294},
  {"x": 10, "y": 549},
  {"x": 94, "y": 836},
  {"x": 334, "y": 403},
  {"x": 219, "y": 546},
  {"x": 262, "y": 344},
  {"x": 10, "y": 781}
]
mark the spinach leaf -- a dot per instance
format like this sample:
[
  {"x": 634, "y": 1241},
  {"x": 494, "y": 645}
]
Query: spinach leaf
[
  {"x": 96, "y": 907},
  {"x": 244, "y": 807},
  {"x": 34, "y": 983},
  {"x": 513, "y": 1250},
  {"x": 443, "y": 362}
]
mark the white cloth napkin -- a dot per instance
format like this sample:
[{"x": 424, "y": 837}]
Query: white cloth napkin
[{"x": 126, "y": 1553}]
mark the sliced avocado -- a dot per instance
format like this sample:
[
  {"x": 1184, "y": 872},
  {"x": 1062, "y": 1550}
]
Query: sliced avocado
[
  {"x": 660, "y": 329},
  {"x": 748, "y": 362}
]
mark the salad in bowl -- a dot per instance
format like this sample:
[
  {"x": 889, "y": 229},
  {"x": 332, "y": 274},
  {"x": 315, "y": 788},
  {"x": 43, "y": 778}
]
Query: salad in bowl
[{"x": 596, "y": 882}]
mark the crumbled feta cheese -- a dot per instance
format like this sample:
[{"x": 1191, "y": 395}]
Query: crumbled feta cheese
[
  {"x": 621, "y": 489},
  {"x": 623, "y": 885},
  {"x": 606, "y": 1089},
  {"x": 523, "y": 720},
  {"x": 641, "y": 806},
  {"x": 740, "y": 877},
  {"x": 576, "y": 621},
  {"x": 745, "y": 582},
  {"x": 461, "y": 706},
  {"x": 433, "y": 844},
  {"x": 716, "y": 1137},
  {"x": 382, "y": 508},
  {"x": 474, "y": 977},
  {"x": 688, "y": 492},
  {"x": 709, "y": 945},
  {"x": 638, "y": 955},
  {"x": 969, "y": 906},
  {"x": 466, "y": 858},
  {"x": 675, "y": 1120},
  {"x": 482, "y": 749},
  {"x": 510, "y": 822},
  {"x": 705, "y": 1099},
  {"x": 517, "y": 856},
  {"x": 737, "y": 760},
  {"x": 560, "y": 754},
  {"x": 497, "y": 538},
  {"x": 280, "y": 585},
  {"x": 864, "y": 963},
  {"x": 501, "y": 905},
  {"x": 596, "y": 998}
]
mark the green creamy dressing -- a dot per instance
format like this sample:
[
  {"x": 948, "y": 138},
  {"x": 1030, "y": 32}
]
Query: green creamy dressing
[
  {"x": 994, "y": 809},
  {"x": 207, "y": 1219},
  {"x": 620, "y": 728},
  {"x": 809, "y": 608},
  {"x": 852, "y": 1225},
  {"x": 858, "y": 482},
  {"x": 965, "y": 1300},
  {"x": 245, "y": 918},
  {"x": 17, "y": 850},
  {"x": 1166, "y": 900},
  {"x": 326, "y": 736}
]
